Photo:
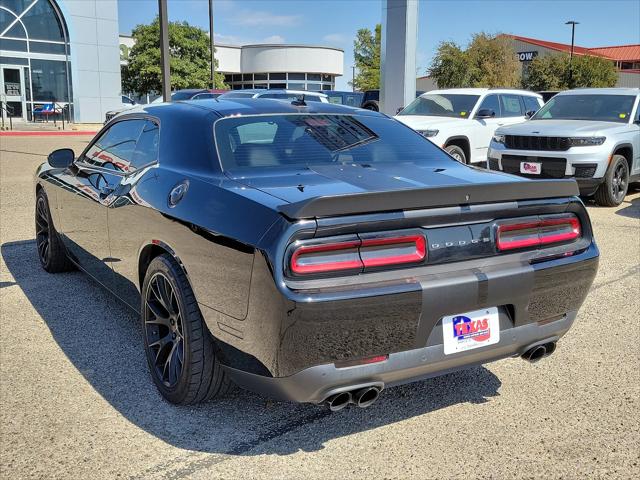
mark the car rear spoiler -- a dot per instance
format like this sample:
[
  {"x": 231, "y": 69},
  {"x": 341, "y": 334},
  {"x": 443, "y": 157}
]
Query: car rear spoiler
[{"x": 446, "y": 196}]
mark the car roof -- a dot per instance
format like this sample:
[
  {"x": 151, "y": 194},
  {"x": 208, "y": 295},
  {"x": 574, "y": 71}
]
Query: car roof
[
  {"x": 225, "y": 107},
  {"x": 482, "y": 91},
  {"x": 602, "y": 91}
]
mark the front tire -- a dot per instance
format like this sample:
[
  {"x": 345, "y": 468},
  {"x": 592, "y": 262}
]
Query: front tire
[
  {"x": 179, "y": 348},
  {"x": 51, "y": 252},
  {"x": 457, "y": 153},
  {"x": 612, "y": 191}
]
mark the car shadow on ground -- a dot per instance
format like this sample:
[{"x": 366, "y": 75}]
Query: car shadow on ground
[
  {"x": 630, "y": 209},
  {"x": 102, "y": 338}
]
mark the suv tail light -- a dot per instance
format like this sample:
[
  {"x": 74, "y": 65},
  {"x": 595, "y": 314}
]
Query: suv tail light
[
  {"x": 358, "y": 254},
  {"x": 538, "y": 232}
]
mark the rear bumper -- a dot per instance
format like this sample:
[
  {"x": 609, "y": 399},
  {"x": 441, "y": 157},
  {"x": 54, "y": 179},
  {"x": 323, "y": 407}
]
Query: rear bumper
[
  {"x": 316, "y": 383},
  {"x": 537, "y": 303}
]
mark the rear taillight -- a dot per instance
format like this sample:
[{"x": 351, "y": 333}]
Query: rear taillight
[
  {"x": 538, "y": 232},
  {"x": 358, "y": 255}
]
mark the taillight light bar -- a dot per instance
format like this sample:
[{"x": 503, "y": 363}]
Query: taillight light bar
[
  {"x": 539, "y": 232},
  {"x": 358, "y": 254}
]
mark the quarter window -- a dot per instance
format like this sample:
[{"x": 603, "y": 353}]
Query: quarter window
[
  {"x": 147, "y": 146},
  {"x": 511, "y": 106}
]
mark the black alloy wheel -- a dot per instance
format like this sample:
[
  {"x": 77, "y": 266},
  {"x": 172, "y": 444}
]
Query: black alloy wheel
[
  {"x": 620, "y": 181},
  {"x": 163, "y": 330},
  {"x": 42, "y": 229},
  {"x": 613, "y": 189},
  {"x": 51, "y": 252},
  {"x": 180, "y": 350}
]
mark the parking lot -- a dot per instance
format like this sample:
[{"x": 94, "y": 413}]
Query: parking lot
[{"x": 77, "y": 400}]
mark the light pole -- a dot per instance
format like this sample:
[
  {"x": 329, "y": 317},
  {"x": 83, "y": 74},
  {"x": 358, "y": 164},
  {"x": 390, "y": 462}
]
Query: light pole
[
  {"x": 164, "y": 50},
  {"x": 353, "y": 78},
  {"x": 573, "y": 24},
  {"x": 213, "y": 62}
]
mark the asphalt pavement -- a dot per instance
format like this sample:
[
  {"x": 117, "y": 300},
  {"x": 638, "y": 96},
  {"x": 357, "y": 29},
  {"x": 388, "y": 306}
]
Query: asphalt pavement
[{"x": 76, "y": 400}]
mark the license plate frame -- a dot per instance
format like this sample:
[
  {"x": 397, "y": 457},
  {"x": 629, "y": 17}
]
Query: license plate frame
[
  {"x": 479, "y": 328},
  {"x": 531, "y": 168}
]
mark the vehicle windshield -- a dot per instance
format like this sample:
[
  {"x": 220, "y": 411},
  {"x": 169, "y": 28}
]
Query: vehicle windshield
[
  {"x": 442, "y": 105},
  {"x": 264, "y": 141},
  {"x": 603, "y": 108}
]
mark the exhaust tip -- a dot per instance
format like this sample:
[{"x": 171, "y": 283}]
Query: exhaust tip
[
  {"x": 535, "y": 354},
  {"x": 551, "y": 347},
  {"x": 338, "y": 401},
  {"x": 366, "y": 396}
]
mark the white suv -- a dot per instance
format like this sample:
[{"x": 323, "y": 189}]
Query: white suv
[
  {"x": 462, "y": 120},
  {"x": 591, "y": 134}
]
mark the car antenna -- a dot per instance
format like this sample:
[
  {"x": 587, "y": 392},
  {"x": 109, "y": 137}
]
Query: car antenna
[{"x": 299, "y": 102}]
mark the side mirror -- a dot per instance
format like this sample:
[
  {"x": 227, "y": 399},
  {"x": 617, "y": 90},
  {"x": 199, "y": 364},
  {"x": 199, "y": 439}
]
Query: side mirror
[
  {"x": 530, "y": 114},
  {"x": 61, "y": 158},
  {"x": 485, "y": 113}
]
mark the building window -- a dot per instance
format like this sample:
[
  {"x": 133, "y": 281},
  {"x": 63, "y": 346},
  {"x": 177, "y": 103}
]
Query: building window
[
  {"x": 260, "y": 76},
  {"x": 314, "y": 86},
  {"x": 296, "y": 86},
  {"x": 278, "y": 85},
  {"x": 247, "y": 77},
  {"x": 315, "y": 77},
  {"x": 297, "y": 76},
  {"x": 277, "y": 76},
  {"x": 37, "y": 27}
]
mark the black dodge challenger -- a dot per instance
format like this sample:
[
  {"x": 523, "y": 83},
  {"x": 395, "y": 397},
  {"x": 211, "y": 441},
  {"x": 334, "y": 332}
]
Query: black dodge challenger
[{"x": 311, "y": 252}]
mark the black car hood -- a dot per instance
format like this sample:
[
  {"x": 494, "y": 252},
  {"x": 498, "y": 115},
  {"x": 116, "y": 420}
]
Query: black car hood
[{"x": 294, "y": 185}]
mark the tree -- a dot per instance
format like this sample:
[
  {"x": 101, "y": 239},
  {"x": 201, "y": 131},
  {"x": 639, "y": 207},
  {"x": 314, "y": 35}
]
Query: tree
[
  {"x": 488, "y": 61},
  {"x": 366, "y": 55},
  {"x": 190, "y": 59},
  {"x": 449, "y": 66},
  {"x": 551, "y": 72},
  {"x": 493, "y": 62}
]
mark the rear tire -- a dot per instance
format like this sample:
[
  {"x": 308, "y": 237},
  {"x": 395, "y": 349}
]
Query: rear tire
[
  {"x": 457, "y": 153},
  {"x": 612, "y": 191},
  {"x": 179, "y": 348},
  {"x": 51, "y": 252},
  {"x": 371, "y": 105}
]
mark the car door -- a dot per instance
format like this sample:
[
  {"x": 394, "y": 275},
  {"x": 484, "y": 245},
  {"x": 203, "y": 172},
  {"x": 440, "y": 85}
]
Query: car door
[
  {"x": 483, "y": 128},
  {"x": 130, "y": 220},
  {"x": 87, "y": 191}
]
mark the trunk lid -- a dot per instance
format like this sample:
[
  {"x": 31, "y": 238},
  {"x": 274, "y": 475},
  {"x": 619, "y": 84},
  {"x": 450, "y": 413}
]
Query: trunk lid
[{"x": 340, "y": 189}]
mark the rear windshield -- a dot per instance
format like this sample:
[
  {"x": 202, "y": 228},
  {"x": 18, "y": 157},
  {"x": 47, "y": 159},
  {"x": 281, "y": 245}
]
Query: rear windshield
[
  {"x": 604, "y": 108},
  {"x": 442, "y": 105},
  {"x": 264, "y": 141}
]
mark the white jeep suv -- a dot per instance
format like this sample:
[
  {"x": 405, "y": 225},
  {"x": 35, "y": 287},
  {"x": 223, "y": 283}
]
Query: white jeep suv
[
  {"x": 463, "y": 120},
  {"x": 591, "y": 134}
]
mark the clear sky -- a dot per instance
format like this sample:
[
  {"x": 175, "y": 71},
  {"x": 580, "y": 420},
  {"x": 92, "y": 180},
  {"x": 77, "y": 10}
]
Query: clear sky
[{"x": 335, "y": 22}]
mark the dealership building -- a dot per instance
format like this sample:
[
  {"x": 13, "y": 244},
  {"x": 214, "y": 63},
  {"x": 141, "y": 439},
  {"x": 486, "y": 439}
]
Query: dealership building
[
  {"x": 68, "y": 52},
  {"x": 297, "y": 67}
]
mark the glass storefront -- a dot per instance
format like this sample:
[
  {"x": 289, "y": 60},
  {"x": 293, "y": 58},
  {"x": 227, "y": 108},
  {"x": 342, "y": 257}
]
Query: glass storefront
[
  {"x": 36, "y": 68},
  {"x": 291, "y": 80}
]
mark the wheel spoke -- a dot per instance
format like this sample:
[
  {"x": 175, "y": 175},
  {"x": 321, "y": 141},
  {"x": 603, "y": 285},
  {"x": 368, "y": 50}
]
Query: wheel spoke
[{"x": 159, "y": 317}]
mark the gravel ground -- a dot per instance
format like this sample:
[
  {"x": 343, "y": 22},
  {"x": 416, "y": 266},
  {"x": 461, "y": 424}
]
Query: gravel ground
[{"x": 77, "y": 401}]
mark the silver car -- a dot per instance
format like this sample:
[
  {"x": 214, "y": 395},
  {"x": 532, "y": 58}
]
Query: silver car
[{"x": 592, "y": 135}]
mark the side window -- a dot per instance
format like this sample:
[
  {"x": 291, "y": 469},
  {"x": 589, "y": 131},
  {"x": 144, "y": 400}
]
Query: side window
[
  {"x": 511, "y": 106},
  {"x": 257, "y": 132},
  {"x": 638, "y": 112},
  {"x": 531, "y": 104},
  {"x": 490, "y": 102},
  {"x": 116, "y": 147},
  {"x": 146, "y": 151}
]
